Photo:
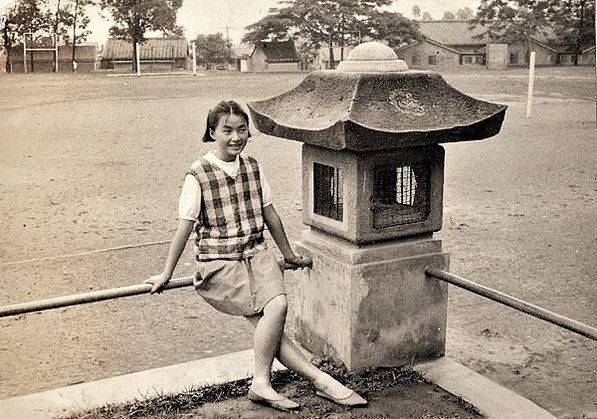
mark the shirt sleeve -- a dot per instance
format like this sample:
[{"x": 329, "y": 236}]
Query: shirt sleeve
[
  {"x": 265, "y": 189},
  {"x": 189, "y": 204}
]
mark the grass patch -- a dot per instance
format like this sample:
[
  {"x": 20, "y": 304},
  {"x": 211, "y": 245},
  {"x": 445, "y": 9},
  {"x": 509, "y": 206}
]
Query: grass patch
[{"x": 367, "y": 382}]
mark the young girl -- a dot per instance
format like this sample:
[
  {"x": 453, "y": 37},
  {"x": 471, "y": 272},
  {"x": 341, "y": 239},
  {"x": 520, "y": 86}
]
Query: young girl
[{"x": 227, "y": 201}]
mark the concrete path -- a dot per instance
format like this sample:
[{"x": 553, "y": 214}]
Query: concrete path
[
  {"x": 171, "y": 379},
  {"x": 491, "y": 399}
]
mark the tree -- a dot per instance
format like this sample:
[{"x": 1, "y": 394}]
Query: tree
[
  {"x": 44, "y": 17},
  {"x": 514, "y": 21},
  {"x": 393, "y": 28},
  {"x": 416, "y": 11},
  {"x": 449, "y": 16},
  {"x": 273, "y": 27},
  {"x": 574, "y": 23},
  {"x": 25, "y": 16},
  {"x": 73, "y": 17},
  {"x": 426, "y": 17},
  {"x": 211, "y": 49},
  {"x": 133, "y": 18},
  {"x": 464, "y": 14},
  {"x": 331, "y": 22}
]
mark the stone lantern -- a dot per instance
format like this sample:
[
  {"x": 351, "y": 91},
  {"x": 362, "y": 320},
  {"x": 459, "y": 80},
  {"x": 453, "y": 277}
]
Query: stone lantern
[{"x": 373, "y": 174}]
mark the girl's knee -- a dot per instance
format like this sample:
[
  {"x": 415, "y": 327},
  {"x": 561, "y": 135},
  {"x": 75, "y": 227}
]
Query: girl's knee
[{"x": 277, "y": 305}]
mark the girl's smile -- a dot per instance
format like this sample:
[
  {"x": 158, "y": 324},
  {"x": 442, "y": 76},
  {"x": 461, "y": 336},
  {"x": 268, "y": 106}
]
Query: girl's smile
[{"x": 231, "y": 136}]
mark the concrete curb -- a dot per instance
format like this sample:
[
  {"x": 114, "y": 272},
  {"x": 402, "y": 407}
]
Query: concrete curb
[
  {"x": 492, "y": 400},
  {"x": 172, "y": 379},
  {"x": 176, "y": 73}
]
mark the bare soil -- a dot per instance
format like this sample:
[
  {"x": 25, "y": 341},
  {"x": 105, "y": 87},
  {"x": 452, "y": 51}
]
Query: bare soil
[{"x": 91, "y": 162}]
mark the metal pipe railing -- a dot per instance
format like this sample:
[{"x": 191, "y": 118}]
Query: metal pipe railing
[
  {"x": 109, "y": 294},
  {"x": 530, "y": 309},
  {"x": 89, "y": 297}
]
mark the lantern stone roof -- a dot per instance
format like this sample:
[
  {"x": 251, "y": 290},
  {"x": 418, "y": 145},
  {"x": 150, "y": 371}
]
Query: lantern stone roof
[{"x": 361, "y": 109}]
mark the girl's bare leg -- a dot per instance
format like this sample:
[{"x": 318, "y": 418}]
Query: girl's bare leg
[
  {"x": 292, "y": 357},
  {"x": 269, "y": 329}
]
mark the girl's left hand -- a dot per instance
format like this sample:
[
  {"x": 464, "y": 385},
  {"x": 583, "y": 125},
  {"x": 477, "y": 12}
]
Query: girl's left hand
[{"x": 297, "y": 262}]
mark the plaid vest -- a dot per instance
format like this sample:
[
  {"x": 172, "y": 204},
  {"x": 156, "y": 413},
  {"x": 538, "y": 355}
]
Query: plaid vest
[{"x": 230, "y": 225}]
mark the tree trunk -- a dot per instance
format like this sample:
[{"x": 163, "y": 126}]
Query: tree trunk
[
  {"x": 528, "y": 57},
  {"x": 342, "y": 43},
  {"x": 581, "y": 28},
  {"x": 134, "y": 56},
  {"x": 331, "y": 50},
  {"x": 8, "y": 64},
  {"x": 56, "y": 33}
]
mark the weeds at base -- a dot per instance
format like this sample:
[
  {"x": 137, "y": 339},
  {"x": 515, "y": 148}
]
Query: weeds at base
[{"x": 366, "y": 382}]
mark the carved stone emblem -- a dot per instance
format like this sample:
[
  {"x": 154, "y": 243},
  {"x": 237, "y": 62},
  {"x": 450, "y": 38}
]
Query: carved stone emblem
[{"x": 405, "y": 103}]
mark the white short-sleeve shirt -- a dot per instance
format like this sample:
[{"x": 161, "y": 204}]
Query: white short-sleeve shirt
[{"x": 189, "y": 205}]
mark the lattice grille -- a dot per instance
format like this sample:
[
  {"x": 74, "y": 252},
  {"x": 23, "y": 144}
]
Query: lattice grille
[
  {"x": 327, "y": 191},
  {"x": 400, "y": 195}
]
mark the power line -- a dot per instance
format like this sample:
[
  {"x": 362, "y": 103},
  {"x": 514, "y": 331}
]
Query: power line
[{"x": 92, "y": 252}]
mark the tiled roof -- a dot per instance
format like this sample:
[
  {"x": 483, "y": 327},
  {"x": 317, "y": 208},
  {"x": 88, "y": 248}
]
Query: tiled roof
[
  {"x": 451, "y": 32},
  {"x": 455, "y": 33},
  {"x": 151, "y": 49},
  {"x": 242, "y": 50},
  {"x": 279, "y": 52}
]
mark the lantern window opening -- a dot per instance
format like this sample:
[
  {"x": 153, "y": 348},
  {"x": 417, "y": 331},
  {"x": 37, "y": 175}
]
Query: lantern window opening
[
  {"x": 401, "y": 194},
  {"x": 328, "y": 199}
]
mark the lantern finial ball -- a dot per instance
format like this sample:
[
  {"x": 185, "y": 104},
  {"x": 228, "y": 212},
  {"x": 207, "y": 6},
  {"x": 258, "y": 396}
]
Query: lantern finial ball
[{"x": 372, "y": 57}]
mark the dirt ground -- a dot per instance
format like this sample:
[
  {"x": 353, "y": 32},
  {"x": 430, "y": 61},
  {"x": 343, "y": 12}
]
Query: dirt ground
[{"x": 92, "y": 163}]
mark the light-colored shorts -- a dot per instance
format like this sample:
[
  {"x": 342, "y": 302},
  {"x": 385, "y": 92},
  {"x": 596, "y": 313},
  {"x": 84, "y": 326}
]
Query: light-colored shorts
[{"x": 240, "y": 287}]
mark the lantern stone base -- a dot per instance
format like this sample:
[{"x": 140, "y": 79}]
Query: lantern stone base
[{"x": 371, "y": 305}]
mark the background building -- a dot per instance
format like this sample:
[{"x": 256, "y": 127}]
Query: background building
[
  {"x": 86, "y": 56},
  {"x": 452, "y": 44},
  {"x": 155, "y": 54},
  {"x": 269, "y": 56}
]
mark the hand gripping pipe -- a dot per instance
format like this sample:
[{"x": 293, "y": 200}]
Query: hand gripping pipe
[
  {"x": 533, "y": 310},
  {"x": 110, "y": 294}
]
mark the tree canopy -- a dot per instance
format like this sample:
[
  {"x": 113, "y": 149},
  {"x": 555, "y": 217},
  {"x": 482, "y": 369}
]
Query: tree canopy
[
  {"x": 449, "y": 16},
  {"x": 416, "y": 11},
  {"x": 211, "y": 49},
  {"x": 332, "y": 22},
  {"x": 26, "y": 16},
  {"x": 572, "y": 21},
  {"x": 464, "y": 14},
  {"x": 45, "y": 17},
  {"x": 515, "y": 20},
  {"x": 133, "y": 18}
]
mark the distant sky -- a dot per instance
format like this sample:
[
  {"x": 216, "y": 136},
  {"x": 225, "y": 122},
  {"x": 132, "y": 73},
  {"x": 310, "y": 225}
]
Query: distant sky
[{"x": 211, "y": 16}]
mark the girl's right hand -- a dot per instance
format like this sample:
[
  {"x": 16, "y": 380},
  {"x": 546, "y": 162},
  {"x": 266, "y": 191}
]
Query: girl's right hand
[{"x": 158, "y": 282}]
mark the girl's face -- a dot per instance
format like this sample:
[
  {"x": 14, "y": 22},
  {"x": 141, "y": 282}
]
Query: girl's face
[{"x": 231, "y": 136}]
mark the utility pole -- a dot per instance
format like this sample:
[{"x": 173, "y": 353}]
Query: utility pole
[
  {"x": 75, "y": 34},
  {"x": 228, "y": 46}
]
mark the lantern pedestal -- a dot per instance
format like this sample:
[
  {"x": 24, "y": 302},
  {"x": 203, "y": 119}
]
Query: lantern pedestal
[{"x": 371, "y": 305}]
